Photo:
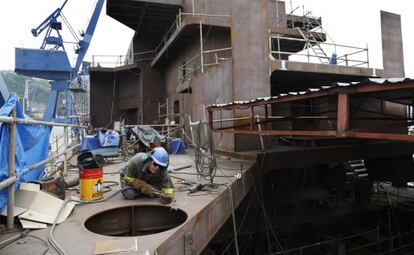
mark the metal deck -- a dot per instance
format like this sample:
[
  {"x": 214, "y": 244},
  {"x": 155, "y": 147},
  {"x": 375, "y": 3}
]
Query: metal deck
[{"x": 206, "y": 212}]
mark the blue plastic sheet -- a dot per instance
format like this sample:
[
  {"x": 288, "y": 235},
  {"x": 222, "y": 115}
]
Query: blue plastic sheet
[
  {"x": 90, "y": 142},
  {"x": 177, "y": 146},
  {"x": 31, "y": 147},
  {"x": 108, "y": 138}
]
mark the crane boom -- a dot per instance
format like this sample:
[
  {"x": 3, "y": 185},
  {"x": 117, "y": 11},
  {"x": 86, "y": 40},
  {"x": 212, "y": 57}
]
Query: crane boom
[
  {"x": 51, "y": 23},
  {"x": 83, "y": 44},
  {"x": 51, "y": 62}
]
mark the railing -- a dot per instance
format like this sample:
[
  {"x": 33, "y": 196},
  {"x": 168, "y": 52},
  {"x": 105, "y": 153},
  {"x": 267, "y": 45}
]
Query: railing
[
  {"x": 162, "y": 129},
  {"x": 9, "y": 182},
  {"x": 112, "y": 61},
  {"x": 191, "y": 66},
  {"x": 177, "y": 24},
  {"x": 315, "y": 48},
  {"x": 346, "y": 55}
]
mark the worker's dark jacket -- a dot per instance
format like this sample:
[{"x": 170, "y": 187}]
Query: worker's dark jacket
[{"x": 138, "y": 168}]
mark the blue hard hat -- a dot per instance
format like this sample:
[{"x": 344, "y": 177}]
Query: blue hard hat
[{"x": 160, "y": 156}]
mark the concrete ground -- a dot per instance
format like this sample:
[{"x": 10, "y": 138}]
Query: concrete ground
[{"x": 206, "y": 210}]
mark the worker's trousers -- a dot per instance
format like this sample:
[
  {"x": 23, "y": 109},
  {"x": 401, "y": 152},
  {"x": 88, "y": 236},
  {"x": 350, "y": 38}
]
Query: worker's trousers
[{"x": 127, "y": 191}]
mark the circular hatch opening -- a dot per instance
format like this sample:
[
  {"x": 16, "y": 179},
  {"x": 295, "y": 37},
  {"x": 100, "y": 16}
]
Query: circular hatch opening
[{"x": 135, "y": 220}]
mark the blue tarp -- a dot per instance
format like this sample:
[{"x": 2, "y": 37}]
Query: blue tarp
[
  {"x": 177, "y": 146},
  {"x": 90, "y": 142},
  {"x": 108, "y": 138},
  {"x": 31, "y": 147}
]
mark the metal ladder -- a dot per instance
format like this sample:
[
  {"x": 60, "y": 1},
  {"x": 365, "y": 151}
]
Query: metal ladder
[
  {"x": 309, "y": 36},
  {"x": 312, "y": 43},
  {"x": 357, "y": 168}
]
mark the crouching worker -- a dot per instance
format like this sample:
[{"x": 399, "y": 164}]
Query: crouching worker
[{"x": 146, "y": 174}]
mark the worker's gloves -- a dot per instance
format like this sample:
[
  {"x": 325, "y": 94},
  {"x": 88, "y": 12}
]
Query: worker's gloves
[
  {"x": 166, "y": 199},
  {"x": 141, "y": 185}
]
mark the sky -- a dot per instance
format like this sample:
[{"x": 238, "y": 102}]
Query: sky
[
  {"x": 350, "y": 22},
  {"x": 18, "y": 17}
]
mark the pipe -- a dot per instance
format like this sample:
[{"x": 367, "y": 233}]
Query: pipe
[
  {"x": 9, "y": 181},
  {"x": 201, "y": 48},
  {"x": 65, "y": 160},
  {"x": 206, "y": 15},
  {"x": 35, "y": 122},
  {"x": 193, "y": 7},
  {"x": 12, "y": 152}
]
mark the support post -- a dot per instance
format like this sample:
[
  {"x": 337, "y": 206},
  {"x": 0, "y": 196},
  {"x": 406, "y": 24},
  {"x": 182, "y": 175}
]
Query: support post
[
  {"x": 201, "y": 48},
  {"x": 260, "y": 129},
  {"x": 167, "y": 104},
  {"x": 65, "y": 160},
  {"x": 343, "y": 113},
  {"x": 270, "y": 42},
  {"x": 12, "y": 156},
  {"x": 57, "y": 144},
  {"x": 210, "y": 118},
  {"x": 277, "y": 13},
  {"x": 252, "y": 118},
  {"x": 193, "y": 7}
]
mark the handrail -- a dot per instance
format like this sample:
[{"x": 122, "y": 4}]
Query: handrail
[
  {"x": 360, "y": 54},
  {"x": 36, "y": 122},
  {"x": 314, "y": 41},
  {"x": 317, "y": 56},
  {"x": 183, "y": 76},
  {"x": 177, "y": 23},
  {"x": 9, "y": 182},
  {"x": 206, "y": 15},
  {"x": 120, "y": 60}
]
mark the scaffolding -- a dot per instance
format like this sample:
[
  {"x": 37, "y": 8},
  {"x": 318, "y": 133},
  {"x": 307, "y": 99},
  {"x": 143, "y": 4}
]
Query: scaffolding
[{"x": 318, "y": 46}]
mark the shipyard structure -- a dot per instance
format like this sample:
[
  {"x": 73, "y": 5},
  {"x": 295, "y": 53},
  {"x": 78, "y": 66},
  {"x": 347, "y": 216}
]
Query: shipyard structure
[{"x": 326, "y": 134}]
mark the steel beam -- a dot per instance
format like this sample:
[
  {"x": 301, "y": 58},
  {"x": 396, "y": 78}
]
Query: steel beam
[
  {"x": 352, "y": 89},
  {"x": 343, "y": 113},
  {"x": 289, "y": 157},
  {"x": 282, "y": 132},
  {"x": 381, "y": 136}
]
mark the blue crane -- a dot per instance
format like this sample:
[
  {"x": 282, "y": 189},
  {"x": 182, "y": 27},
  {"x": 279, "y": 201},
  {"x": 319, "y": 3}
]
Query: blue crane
[
  {"x": 4, "y": 92},
  {"x": 51, "y": 61}
]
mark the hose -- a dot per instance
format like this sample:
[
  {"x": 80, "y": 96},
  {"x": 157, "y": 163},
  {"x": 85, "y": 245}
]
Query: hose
[{"x": 51, "y": 237}]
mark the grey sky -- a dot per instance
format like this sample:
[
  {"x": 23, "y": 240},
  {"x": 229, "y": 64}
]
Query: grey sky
[{"x": 350, "y": 22}]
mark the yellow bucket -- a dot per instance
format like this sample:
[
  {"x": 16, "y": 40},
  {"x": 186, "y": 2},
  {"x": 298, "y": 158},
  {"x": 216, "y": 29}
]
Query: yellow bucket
[{"x": 91, "y": 184}]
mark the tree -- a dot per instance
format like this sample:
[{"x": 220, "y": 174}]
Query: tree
[{"x": 39, "y": 89}]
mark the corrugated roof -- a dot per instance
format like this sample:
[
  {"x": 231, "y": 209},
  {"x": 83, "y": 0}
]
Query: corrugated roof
[{"x": 387, "y": 82}]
